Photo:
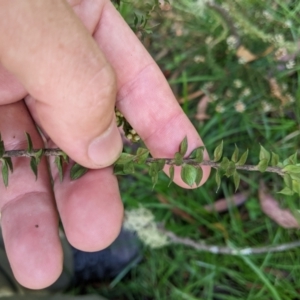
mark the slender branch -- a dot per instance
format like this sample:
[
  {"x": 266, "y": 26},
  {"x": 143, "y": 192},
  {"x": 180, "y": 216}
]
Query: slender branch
[
  {"x": 25, "y": 153},
  {"x": 169, "y": 161},
  {"x": 227, "y": 250},
  {"x": 216, "y": 165}
]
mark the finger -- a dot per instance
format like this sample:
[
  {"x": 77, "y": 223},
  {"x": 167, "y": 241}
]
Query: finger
[
  {"x": 29, "y": 219},
  {"x": 11, "y": 89},
  {"x": 90, "y": 208},
  {"x": 48, "y": 49},
  {"x": 144, "y": 96}
]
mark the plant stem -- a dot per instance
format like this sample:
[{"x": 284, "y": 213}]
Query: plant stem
[
  {"x": 216, "y": 165},
  {"x": 169, "y": 161},
  {"x": 227, "y": 250},
  {"x": 25, "y": 153}
]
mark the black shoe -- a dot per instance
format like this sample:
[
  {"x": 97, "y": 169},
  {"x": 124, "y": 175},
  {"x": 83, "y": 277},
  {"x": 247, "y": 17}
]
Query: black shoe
[{"x": 107, "y": 263}]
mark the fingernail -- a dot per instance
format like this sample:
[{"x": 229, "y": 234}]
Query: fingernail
[{"x": 105, "y": 149}]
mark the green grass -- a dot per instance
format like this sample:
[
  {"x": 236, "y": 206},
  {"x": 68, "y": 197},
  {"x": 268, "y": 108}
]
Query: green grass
[{"x": 179, "y": 272}]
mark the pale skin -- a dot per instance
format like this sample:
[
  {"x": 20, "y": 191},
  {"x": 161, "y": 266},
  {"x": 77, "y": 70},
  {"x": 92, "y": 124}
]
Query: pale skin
[{"x": 64, "y": 66}]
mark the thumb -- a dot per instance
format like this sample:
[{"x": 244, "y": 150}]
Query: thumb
[{"x": 47, "y": 48}]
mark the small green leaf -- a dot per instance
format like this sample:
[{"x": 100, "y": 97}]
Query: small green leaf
[
  {"x": 286, "y": 191},
  {"x": 243, "y": 158},
  {"x": 65, "y": 157},
  {"x": 296, "y": 186},
  {"x": 199, "y": 175},
  {"x": 141, "y": 155},
  {"x": 188, "y": 174},
  {"x": 33, "y": 166},
  {"x": 171, "y": 174},
  {"x": 295, "y": 176},
  {"x": 129, "y": 168},
  {"x": 224, "y": 163},
  {"x": 6, "y": 167},
  {"x": 236, "y": 180},
  {"x": 4, "y": 172},
  {"x": 288, "y": 180},
  {"x": 160, "y": 164},
  {"x": 156, "y": 166},
  {"x": 124, "y": 159},
  {"x": 291, "y": 169},
  {"x": 218, "y": 152},
  {"x": 178, "y": 159},
  {"x": 135, "y": 20},
  {"x": 218, "y": 179},
  {"x": 285, "y": 162},
  {"x": 230, "y": 169},
  {"x": 9, "y": 163},
  {"x": 197, "y": 154},
  {"x": 235, "y": 155},
  {"x": 183, "y": 146},
  {"x": 264, "y": 154},
  {"x": 262, "y": 165},
  {"x": 154, "y": 179},
  {"x": 2, "y": 149},
  {"x": 38, "y": 155},
  {"x": 58, "y": 163},
  {"x": 77, "y": 171},
  {"x": 153, "y": 169},
  {"x": 118, "y": 170},
  {"x": 274, "y": 159},
  {"x": 280, "y": 165},
  {"x": 292, "y": 160},
  {"x": 29, "y": 142}
]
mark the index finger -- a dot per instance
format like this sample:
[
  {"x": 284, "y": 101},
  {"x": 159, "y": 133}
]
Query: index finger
[{"x": 144, "y": 96}]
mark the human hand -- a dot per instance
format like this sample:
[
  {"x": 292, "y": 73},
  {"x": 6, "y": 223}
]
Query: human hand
[{"x": 72, "y": 70}]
